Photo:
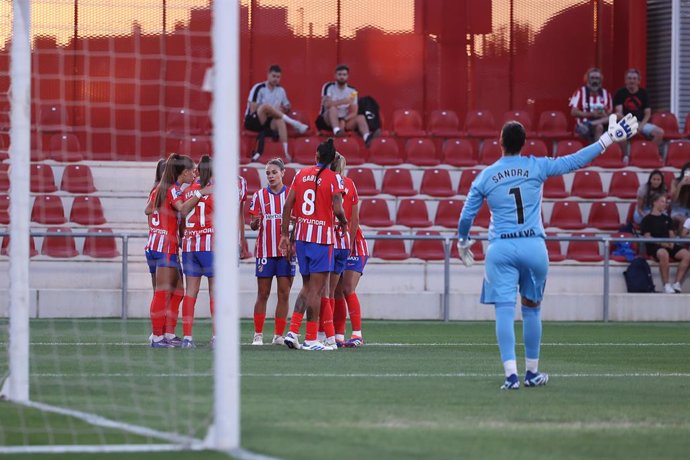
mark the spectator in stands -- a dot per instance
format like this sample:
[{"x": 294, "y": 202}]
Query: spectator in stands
[
  {"x": 655, "y": 184},
  {"x": 339, "y": 107},
  {"x": 658, "y": 224},
  {"x": 680, "y": 196},
  {"x": 266, "y": 113},
  {"x": 591, "y": 104},
  {"x": 632, "y": 98}
]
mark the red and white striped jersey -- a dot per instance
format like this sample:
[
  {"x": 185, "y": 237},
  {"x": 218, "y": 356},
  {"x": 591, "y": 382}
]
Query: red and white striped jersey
[
  {"x": 586, "y": 100},
  {"x": 268, "y": 207},
  {"x": 350, "y": 198},
  {"x": 198, "y": 229},
  {"x": 163, "y": 225},
  {"x": 314, "y": 204},
  {"x": 359, "y": 247}
]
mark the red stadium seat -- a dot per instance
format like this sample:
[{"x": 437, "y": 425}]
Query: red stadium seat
[
  {"x": 421, "y": 152},
  {"x": 645, "y": 154},
  {"x": 302, "y": 117},
  {"x": 390, "y": 249},
  {"x": 413, "y": 213},
  {"x": 477, "y": 249},
  {"x": 408, "y": 123},
  {"x": 490, "y": 151},
  {"x": 53, "y": 118},
  {"x": 624, "y": 184},
  {"x": 436, "y": 182},
  {"x": 374, "y": 213},
  {"x": 59, "y": 247},
  {"x": 304, "y": 151},
  {"x": 384, "y": 151},
  {"x": 427, "y": 249},
  {"x": 48, "y": 210},
  {"x": 480, "y": 123},
  {"x": 459, "y": 153},
  {"x": 398, "y": 182},
  {"x": 536, "y": 147},
  {"x": 448, "y": 213},
  {"x": 584, "y": 251},
  {"x": 65, "y": 147},
  {"x": 604, "y": 216},
  {"x": 566, "y": 215},
  {"x": 587, "y": 184},
  {"x": 4, "y": 209},
  {"x": 4, "y": 177},
  {"x": 77, "y": 179},
  {"x": 466, "y": 179},
  {"x": 5, "y": 249},
  {"x": 251, "y": 175},
  {"x": 42, "y": 179},
  {"x": 612, "y": 158},
  {"x": 677, "y": 153},
  {"x": 183, "y": 122},
  {"x": 288, "y": 176},
  {"x": 273, "y": 149},
  {"x": 87, "y": 210},
  {"x": 244, "y": 150},
  {"x": 554, "y": 249},
  {"x": 444, "y": 123},
  {"x": 553, "y": 125},
  {"x": 195, "y": 147},
  {"x": 554, "y": 187},
  {"x": 483, "y": 218},
  {"x": 350, "y": 149},
  {"x": 39, "y": 149},
  {"x": 521, "y": 116},
  {"x": 566, "y": 147},
  {"x": 686, "y": 130},
  {"x": 100, "y": 247},
  {"x": 669, "y": 123},
  {"x": 364, "y": 181}
]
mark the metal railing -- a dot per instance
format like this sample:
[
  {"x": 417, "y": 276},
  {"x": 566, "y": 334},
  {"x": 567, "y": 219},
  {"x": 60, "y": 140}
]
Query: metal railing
[{"x": 447, "y": 240}]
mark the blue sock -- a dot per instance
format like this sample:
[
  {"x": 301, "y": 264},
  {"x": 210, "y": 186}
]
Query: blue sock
[
  {"x": 531, "y": 331},
  {"x": 505, "y": 330}
]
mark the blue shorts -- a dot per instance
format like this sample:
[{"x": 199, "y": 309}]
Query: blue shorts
[
  {"x": 356, "y": 264},
  {"x": 157, "y": 259},
  {"x": 198, "y": 263},
  {"x": 647, "y": 130},
  {"x": 514, "y": 262},
  {"x": 340, "y": 260},
  {"x": 268, "y": 267},
  {"x": 314, "y": 257}
]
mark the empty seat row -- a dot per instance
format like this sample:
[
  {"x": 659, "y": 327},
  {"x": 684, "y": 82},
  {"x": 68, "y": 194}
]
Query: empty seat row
[
  {"x": 76, "y": 178},
  {"x": 65, "y": 246},
  {"x": 48, "y": 210}
]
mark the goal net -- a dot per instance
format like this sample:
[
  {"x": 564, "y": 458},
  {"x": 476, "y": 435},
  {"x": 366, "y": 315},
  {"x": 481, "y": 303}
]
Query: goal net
[{"x": 92, "y": 94}]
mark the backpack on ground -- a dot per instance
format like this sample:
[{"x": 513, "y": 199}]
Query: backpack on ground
[{"x": 638, "y": 276}]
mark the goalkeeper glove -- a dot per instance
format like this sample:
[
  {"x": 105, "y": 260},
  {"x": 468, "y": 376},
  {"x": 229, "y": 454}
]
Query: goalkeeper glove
[
  {"x": 618, "y": 132},
  {"x": 465, "y": 252}
]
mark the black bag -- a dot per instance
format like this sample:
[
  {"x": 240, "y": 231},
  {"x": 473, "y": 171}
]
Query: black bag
[
  {"x": 368, "y": 107},
  {"x": 638, "y": 276}
]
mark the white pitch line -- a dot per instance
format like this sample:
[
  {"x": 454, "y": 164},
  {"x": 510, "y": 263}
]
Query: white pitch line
[
  {"x": 364, "y": 375},
  {"x": 393, "y": 344}
]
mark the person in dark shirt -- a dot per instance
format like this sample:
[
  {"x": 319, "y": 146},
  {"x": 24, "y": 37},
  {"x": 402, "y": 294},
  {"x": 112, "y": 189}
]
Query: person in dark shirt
[
  {"x": 658, "y": 224},
  {"x": 632, "y": 98}
]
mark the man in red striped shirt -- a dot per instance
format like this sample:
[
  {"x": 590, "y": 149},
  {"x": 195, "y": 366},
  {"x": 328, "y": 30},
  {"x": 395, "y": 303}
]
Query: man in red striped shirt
[
  {"x": 591, "y": 104},
  {"x": 315, "y": 196}
]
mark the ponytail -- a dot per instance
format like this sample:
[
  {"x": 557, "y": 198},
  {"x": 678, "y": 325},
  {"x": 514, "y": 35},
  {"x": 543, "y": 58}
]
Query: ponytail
[
  {"x": 326, "y": 154},
  {"x": 175, "y": 165},
  {"x": 205, "y": 171}
]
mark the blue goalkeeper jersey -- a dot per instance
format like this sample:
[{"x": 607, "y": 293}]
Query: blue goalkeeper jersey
[{"x": 512, "y": 187}]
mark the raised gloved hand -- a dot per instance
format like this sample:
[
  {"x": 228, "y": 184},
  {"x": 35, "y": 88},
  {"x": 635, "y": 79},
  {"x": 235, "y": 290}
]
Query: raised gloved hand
[
  {"x": 465, "y": 252},
  {"x": 618, "y": 132}
]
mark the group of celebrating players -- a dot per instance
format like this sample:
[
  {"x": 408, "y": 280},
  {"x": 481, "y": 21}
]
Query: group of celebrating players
[{"x": 314, "y": 222}]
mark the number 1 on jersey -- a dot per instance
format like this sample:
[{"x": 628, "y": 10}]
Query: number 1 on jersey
[{"x": 515, "y": 191}]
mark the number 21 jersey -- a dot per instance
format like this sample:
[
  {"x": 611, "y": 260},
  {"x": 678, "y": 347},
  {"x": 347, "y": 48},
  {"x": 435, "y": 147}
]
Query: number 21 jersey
[{"x": 314, "y": 204}]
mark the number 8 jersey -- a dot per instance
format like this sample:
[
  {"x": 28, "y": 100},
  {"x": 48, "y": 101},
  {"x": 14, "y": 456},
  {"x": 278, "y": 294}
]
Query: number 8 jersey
[{"x": 313, "y": 208}]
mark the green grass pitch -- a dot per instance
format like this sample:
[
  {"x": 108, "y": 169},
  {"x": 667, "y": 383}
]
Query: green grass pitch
[{"x": 415, "y": 390}]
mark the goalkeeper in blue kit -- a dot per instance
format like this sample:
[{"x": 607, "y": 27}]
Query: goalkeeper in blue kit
[{"x": 516, "y": 256}]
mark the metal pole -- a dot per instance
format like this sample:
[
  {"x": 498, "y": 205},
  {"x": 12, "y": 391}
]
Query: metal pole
[
  {"x": 125, "y": 275},
  {"x": 446, "y": 279},
  {"x": 606, "y": 279}
]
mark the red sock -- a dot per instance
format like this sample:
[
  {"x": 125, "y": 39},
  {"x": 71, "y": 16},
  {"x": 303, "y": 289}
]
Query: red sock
[
  {"x": 213, "y": 323},
  {"x": 312, "y": 329},
  {"x": 280, "y": 326},
  {"x": 157, "y": 311},
  {"x": 173, "y": 311},
  {"x": 188, "y": 315},
  {"x": 353, "y": 309},
  {"x": 322, "y": 313},
  {"x": 259, "y": 322},
  {"x": 327, "y": 317},
  {"x": 339, "y": 315},
  {"x": 296, "y": 322}
]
